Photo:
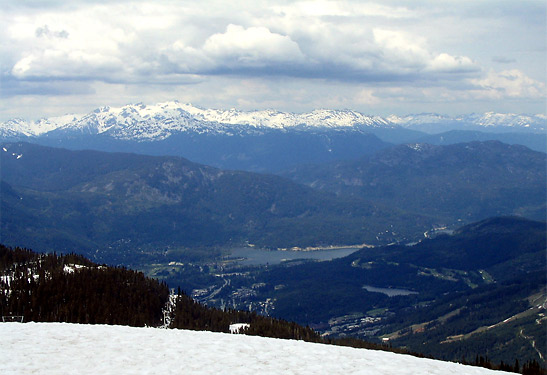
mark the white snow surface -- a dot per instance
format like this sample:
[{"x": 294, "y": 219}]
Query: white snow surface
[
  {"x": 234, "y": 328},
  {"x": 61, "y": 348}
]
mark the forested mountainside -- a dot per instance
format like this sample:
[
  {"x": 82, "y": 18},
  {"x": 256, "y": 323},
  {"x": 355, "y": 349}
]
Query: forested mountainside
[
  {"x": 130, "y": 206},
  {"x": 114, "y": 206},
  {"x": 533, "y": 141},
  {"x": 466, "y": 181}
]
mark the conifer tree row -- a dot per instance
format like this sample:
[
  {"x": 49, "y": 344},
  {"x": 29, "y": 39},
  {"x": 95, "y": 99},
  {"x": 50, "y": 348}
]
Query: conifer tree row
[
  {"x": 189, "y": 314},
  {"x": 70, "y": 288}
]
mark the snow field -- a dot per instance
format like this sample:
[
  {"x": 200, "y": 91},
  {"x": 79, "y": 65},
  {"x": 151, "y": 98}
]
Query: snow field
[{"x": 61, "y": 348}]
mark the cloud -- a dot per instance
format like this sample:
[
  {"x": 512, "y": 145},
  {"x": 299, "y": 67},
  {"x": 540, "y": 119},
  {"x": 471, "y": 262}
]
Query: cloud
[
  {"x": 503, "y": 60},
  {"x": 252, "y": 44},
  {"x": 508, "y": 84},
  {"x": 401, "y": 50},
  {"x": 343, "y": 9},
  {"x": 347, "y": 52},
  {"x": 135, "y": 43},
  {"x": 452, "y": 64},
  {"x": 367, "y": 97},
  {"x": 44, "y": 31},
  {"x": 406, "y": 53},
  {"x": 66, "y": 65}
]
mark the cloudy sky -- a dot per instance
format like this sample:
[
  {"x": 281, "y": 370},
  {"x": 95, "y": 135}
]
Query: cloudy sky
[{"x": 378, "y": 57}]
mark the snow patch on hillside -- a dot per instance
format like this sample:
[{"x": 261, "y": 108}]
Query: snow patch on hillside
[{"x": 60, "y": 348}]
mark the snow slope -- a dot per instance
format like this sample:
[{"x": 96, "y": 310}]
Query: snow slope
[{"x": 60, "y": 348}]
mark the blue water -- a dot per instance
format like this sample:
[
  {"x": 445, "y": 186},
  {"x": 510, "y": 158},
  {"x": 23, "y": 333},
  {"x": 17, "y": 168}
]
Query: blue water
[
  {"x": 259, "y": 257},
  {"x": 390, "y": 292}
]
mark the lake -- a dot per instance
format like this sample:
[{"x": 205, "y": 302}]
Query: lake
[
  {"x": 390, "y": 292},
  {"x": 258, "y": 257}
]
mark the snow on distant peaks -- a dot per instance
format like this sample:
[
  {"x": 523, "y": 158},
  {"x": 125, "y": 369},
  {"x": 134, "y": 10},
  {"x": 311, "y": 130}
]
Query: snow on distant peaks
[
  {"x": 159, "y": 121},
  {"x": 278, "y": 120},
  {"x": 422, "y": 118},
  {"x": 35, "y": 128},
  {"x": 484, "y": 120},
  {"x": 135, "y": 121},
  {"x": 506, "y": 119}
]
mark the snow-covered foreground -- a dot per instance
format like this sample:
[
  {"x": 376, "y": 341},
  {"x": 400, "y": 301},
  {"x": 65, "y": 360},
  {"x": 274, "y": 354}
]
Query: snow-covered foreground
[{"x": 60, "y": 348}]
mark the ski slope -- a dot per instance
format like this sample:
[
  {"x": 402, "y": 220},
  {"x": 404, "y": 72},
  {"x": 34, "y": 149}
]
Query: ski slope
[{"x": 60, "y": 348}]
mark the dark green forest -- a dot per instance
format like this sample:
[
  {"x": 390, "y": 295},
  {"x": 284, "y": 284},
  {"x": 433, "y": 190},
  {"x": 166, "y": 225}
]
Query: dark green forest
[{"x": 70, "y": 288}]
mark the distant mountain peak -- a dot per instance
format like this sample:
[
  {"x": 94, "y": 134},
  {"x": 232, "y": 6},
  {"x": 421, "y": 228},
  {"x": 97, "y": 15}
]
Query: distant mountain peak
[
  {"x": 161, "y": 120},
  {"x": 486, "y": 121}
]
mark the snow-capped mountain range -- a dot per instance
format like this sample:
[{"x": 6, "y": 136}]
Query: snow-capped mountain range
[
  {"x": 157, "y": 122},
  {"x": 486, "y": 121}
]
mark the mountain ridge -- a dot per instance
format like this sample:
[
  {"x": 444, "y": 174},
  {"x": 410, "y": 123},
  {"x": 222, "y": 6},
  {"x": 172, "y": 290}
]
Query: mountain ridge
[
  {"x": 159, "y": 121},
  {"x": 440, "y": 179},
  {"x": 95, "y": 200}
]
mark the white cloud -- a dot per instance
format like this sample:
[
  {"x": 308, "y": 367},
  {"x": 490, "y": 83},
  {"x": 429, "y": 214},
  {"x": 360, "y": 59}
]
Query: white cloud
[
  {"x": 401, "y": 50},
  {"x": 452, "y": 64},
  {"x": 367, "y": 97},
  {"x": 44, "y": 31},
  {"x": 66, "y": 64},
  {"x": 406, "y": 52},
  {"x": 344, "y": 9},
  {"x": 345, "y": 53},
  {"x": 135, "y": 42},
  {"x": 252, "y": 46},
  {"x": 508, "y": 84}
]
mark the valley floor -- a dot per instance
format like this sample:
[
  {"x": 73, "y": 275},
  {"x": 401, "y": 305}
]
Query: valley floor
[{"x": 60, "y": 348}]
